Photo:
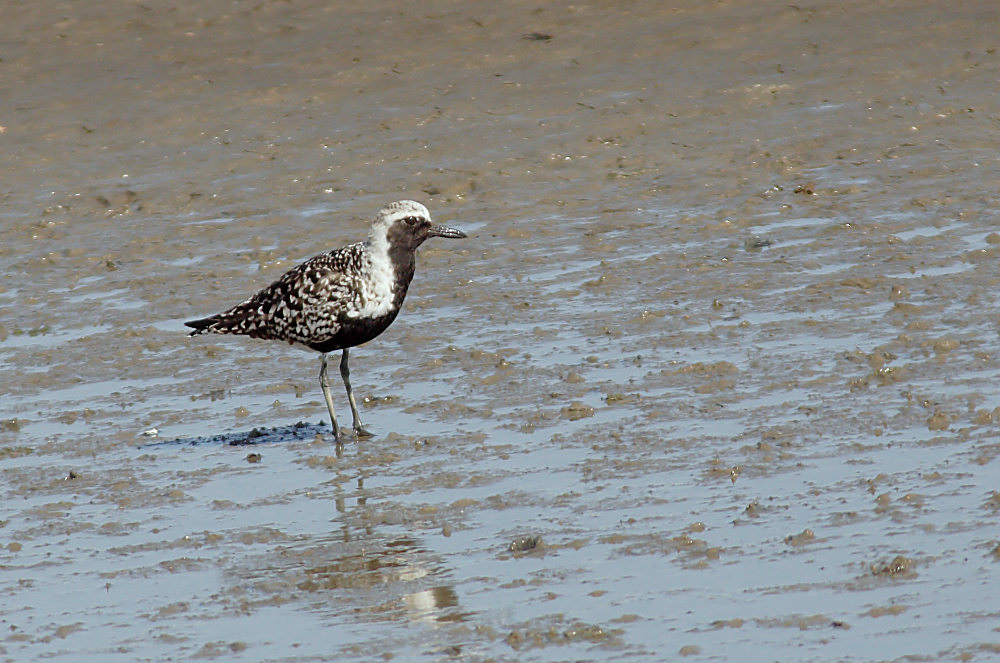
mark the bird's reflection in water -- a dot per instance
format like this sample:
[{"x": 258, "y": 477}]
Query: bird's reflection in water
[
  {"x": 430, "y": 604},
  {"x": 397, "y": 572}
]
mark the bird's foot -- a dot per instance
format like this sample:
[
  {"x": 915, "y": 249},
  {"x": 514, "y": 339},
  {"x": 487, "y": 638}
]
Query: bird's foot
[
  {"x": 360, "y": 433},
  {"x": 338, "y": 435}
]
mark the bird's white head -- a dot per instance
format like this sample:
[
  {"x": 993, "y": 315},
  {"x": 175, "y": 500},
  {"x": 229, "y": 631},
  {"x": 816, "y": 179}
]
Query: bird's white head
[
  {"x": 404, "y": 225},
  {"x": 395, "y": 212}
]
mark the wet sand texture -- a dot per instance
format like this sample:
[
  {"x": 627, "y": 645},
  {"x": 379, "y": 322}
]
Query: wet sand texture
[{"x": 715, "y": 372}]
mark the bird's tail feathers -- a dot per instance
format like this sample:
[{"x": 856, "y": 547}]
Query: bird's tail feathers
[{"x": 202, "y": 326}]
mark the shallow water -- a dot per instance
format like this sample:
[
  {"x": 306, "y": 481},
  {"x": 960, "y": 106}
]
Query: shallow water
[{"x": 718, "y": 357}]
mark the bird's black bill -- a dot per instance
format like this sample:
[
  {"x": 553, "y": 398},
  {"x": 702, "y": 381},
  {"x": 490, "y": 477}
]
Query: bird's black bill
[{"x": 443, "y": 231}]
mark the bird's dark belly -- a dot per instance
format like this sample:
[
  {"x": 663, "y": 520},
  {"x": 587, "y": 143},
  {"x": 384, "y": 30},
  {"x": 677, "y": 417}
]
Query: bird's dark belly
[{"x": 355, "y": 332}]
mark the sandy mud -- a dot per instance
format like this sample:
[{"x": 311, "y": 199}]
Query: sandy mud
[{"x": 714, "y": 376}]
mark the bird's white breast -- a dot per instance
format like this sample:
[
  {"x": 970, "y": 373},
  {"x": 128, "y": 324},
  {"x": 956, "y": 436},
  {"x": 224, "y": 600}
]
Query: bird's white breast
[{"x": 375, "y": 290}]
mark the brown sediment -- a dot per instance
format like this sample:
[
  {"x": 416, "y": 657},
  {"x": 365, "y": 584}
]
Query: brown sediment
[{"x": 724, "y": 330}]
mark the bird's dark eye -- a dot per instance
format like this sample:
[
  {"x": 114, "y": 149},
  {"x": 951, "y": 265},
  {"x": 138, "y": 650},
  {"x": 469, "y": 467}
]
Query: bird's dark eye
[{"x": 412, "y": 220}]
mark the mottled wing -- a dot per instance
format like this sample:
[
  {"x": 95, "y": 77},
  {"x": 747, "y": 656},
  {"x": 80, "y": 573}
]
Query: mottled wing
[{"x": 307, "y": 305}]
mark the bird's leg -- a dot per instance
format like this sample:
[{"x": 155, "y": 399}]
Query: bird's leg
[
  {"x": 345, "y": 372},
  {"x": 324, "y": 382}
]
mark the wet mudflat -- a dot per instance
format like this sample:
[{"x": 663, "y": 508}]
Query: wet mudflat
[{"x": 713, "y": 377}]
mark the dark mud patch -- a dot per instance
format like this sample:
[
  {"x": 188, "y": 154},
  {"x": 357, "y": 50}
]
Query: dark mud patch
[{"x": 255, "y": 436}]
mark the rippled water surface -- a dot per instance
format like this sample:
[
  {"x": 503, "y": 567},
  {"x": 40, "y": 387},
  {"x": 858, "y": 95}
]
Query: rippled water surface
[{"x": 714, "y": 375}]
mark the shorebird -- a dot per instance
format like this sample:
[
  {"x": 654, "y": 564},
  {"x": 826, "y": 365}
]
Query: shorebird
[{"x": 339, "y": 299}]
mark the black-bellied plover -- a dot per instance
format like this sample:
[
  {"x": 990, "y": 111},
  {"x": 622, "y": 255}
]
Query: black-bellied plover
[{"x": 339, "y": 299}]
